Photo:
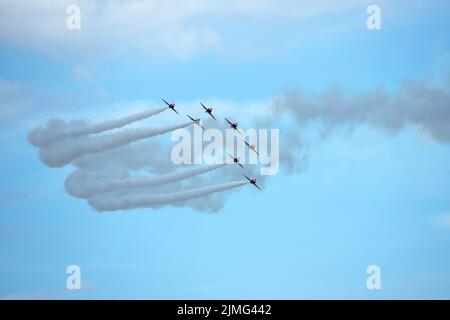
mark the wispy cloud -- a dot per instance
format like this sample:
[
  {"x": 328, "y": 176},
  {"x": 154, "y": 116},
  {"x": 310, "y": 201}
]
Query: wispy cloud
[{"x": 180, "y": 28}]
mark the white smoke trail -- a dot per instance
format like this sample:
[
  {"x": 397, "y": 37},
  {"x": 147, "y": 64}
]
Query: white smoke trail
[
  {"x": 57, "y": 129},
  {"x": 85, "y": 184},
  {"x": 60, "y": 154},
  {"x": 111, "y": 201}
]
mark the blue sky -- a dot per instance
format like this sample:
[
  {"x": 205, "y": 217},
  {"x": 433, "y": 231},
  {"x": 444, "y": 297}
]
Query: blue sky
[{"x": 366, "y": 197}]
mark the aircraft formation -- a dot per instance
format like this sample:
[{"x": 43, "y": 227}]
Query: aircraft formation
[{"x": 233, "y": 125}]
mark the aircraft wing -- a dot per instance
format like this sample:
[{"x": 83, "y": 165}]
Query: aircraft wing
[
  {"x": 241, "y": 165},
  {"x": 247, "y": 144},
  {"x": 175, "y": 110},
  {"x": 166, "y": 102},
  {"x": 247, "y": 178},
  {"x": 203, "y": 106},
  {"x": 257, "y": 186},
  {"x": 228, "y": 121},
  {"x": 212, "y": 116},
  {"x": 191, "y": 118}
]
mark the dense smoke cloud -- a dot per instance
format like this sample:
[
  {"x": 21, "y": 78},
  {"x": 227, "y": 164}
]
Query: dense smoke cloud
[
  {"x": 414, "y": 103},
  {"x": 116, "y": 168}
]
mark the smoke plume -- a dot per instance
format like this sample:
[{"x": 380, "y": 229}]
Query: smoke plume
[
  {"x": 63, "y": 153},
  {"x": 110, "y": 166},
  {"x": 83, "y": 184},
  {"x": 414, "y": 103},
  {"x": 112, "y": 202},
  {"x": 57, "y": 129}
]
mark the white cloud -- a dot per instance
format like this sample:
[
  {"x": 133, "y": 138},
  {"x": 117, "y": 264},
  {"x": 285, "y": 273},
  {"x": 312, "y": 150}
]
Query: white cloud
[
  {"x": 180, "y": 28},
  {"x": 157, "y": 27}
]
